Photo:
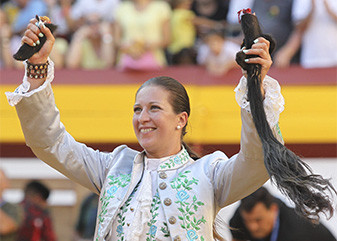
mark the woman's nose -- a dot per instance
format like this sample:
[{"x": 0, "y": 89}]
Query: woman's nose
[{"x": 143, "y": 116}]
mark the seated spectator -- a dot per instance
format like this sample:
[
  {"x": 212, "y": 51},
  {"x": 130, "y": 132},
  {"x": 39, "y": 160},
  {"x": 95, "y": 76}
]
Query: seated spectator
[
  {"x": 37, "y": 223},
  {"x": 142, "y": 33},
  {"x": 262, "y": 217},
  {"x": 217, "y": 53},
  {"x": 10, "y": 214},
  {"x": 91, "y": 46}
]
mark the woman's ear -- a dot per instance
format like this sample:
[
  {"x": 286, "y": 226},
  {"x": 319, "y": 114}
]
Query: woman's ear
[{"x": 182, "y": 119}]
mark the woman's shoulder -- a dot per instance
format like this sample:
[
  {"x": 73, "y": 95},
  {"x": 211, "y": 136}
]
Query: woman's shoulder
[
  {"x": 214, "y": 156},
  {"x": 124, "y": 152}
]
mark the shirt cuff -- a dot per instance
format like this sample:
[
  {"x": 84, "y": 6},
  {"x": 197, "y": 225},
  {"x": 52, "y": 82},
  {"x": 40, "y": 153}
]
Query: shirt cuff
[
  {"x": 273, "y": 101},
  {"x": 22, "y": 91}
]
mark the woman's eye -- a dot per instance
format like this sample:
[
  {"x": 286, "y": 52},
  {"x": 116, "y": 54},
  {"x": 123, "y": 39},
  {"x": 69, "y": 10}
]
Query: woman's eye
[
  {"x": 137, "y": 109},
  {"x": 154, "y": 107}
]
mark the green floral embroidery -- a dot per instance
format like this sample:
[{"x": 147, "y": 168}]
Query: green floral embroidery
[
  {"x": 187, "y": 205},
  {"x": 120, "y": 215},
  {"x": 180, "y": 159},
  {"x": 279, "y": 130},
  {"x": 109, "y": 193},
  {"x": 154, "y": 211},
  {"x": 165, "y": 230}
]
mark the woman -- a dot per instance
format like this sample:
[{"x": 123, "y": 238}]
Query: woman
[
  {"x": 163, "y": 192},
  {"x": 142, "y": 31}
]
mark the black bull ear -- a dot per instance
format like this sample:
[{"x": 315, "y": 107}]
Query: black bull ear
[{"x": 26, "y": 51}]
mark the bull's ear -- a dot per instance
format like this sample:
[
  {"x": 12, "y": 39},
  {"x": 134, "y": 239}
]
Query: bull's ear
[{"x": 272, "y": 41}]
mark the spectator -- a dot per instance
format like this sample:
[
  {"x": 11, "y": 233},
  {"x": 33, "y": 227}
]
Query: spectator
[
  {"x": 58, "y": 12},
  {"x": 142, "y": 34},
  {"x": 28, "y": 9},
  {"x": 82, "y": 9},
  {"x": 318, "y": 18},
  {"x": 6, "y": 59},
  {"x": 10, "y": 214},
  {"x": 262, "y": 217},
  {"x": 217, "y": 53},
  {"x": 86, "y": 222},
  {"x": 213, "y": 10},
  {"x": 91, "y": 46},
  {"x": 181, "y": 50},
  {"x": 37, "y": 224},
  {"x": 183, "y": 26}
]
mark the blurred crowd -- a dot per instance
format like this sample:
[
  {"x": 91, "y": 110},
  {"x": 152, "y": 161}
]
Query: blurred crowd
[{"x": 152, "y": 34}]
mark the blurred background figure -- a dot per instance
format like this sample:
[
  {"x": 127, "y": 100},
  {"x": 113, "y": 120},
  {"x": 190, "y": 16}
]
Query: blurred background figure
[
  {"x": 37, "y": 224},
  {"x": 316, "y": 20},
  {"x": 181, "y": 49},
  {"x": 262, "y": 217},
  {"x": 18, "y": 14},
  {"x": 86, "y": 222},
  {"x": 217, "y": 53},
  {"x": 59, "y": 13},
  {"x": 142, "y": 34},
  {"x": 213, "y": 10},
  {"x": 275, "y": 18},
  {"x": 6, "y": 59},
  {"x": 10, "y": 214},
  {"x": 82, "y": 9},
  {"x": 92, "y": 45}
]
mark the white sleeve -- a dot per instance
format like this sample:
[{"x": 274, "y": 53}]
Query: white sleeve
[
  {"x": 22, "y": 91},
  {"x": 273, "y": 101}
]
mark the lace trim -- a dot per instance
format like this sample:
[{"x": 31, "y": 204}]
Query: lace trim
[
  {"x": 273, "y": 102},
  {"x": 22, "y": 91}
]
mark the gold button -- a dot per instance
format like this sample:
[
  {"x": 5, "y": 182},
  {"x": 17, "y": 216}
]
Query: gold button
[
  {"x": 163, "y": 175},
  {"x": 162, "y": 185},
  {"x": 167, "y": 201},
  {"x": 132, "y": 209},
  {"x": 128, "y": 224},
  {"x": 177, "y": 238},
  {"x": 172, "y": 220}
]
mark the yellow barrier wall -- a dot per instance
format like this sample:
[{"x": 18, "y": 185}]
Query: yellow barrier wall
[{"x": 103, "y": 114}]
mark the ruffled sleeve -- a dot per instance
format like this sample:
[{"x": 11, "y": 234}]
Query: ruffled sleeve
[
  {"x": 22, "y": 91},
  {"x": 273, "y": 102}
]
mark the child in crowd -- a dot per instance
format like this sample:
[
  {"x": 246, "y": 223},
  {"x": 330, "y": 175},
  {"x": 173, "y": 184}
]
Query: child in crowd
[{"x": 217, "y": 53}]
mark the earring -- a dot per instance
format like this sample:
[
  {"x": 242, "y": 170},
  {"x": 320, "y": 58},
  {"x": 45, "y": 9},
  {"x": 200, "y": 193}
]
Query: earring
[{"x": 178, "y": 127}]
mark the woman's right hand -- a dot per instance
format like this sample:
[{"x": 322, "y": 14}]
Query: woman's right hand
[{"x": 31, "y": 37}]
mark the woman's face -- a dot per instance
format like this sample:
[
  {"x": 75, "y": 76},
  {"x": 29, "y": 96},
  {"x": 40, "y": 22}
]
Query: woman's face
[{"x": 155, "y": 123}]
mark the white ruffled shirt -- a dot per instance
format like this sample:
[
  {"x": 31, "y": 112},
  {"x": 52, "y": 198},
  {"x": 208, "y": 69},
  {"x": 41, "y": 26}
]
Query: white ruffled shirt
[{"x": 134, "y": 220}]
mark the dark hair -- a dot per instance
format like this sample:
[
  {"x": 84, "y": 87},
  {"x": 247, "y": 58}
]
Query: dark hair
[
  {"x": 292, "y": 176},
  {"x": 261, "y": 195},
  {"x": 178, "y": 99},
  {"x": 37, "y": 188}
]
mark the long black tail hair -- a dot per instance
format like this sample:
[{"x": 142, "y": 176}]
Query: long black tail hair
[{"x": 310, "y": 193}]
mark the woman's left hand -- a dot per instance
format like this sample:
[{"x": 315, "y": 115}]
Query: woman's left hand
[{"x": 260, "y": 48}]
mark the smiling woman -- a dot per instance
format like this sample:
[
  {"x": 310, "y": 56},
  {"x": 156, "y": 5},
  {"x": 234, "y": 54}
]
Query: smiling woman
[{"x": 165, "y": 192}]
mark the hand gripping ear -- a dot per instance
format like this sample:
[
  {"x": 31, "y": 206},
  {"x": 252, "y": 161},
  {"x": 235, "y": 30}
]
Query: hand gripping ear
[{"x": 26, "y": 51}]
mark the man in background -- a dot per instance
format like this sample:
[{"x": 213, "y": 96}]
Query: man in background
[
  {"x": 262, "y": 217},
  {"x": 37, "y": 224}
]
